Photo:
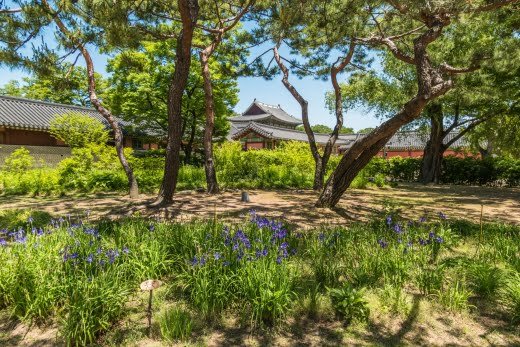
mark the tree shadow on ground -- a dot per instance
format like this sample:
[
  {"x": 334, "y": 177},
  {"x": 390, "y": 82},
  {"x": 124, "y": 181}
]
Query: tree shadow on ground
[{"x": 15, "y": 333}]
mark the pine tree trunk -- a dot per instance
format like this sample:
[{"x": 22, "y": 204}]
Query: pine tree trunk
[
  {"x": 430, "y": 85},
  {"x": 133, "y": 189},
  {"x": 188, "y": 150},
  {"x": 209, "y": 163},
  {"x": 319, "y": 174},
  {"x": 434, "y": 150},
  {"x": 189, "y": 13}
]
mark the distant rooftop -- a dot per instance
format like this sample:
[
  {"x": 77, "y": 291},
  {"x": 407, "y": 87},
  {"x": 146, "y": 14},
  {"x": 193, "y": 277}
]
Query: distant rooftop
[
  {"x": 259, "y": 111},
  {"x": 31, "y": 114}
]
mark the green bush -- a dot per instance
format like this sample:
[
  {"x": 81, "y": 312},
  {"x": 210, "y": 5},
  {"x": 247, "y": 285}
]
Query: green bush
[
  {"x": 19, "y": 161},
  {"x": 78, "y": 130},
  {"x": 349, "y": 303}
]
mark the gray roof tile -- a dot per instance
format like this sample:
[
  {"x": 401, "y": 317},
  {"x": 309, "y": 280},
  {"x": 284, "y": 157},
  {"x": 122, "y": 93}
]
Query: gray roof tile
[
  {"x": 37, "y": 115},
  {"x": 270, "y": 111}
]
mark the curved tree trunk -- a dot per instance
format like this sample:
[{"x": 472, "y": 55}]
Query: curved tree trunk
[
  {"x": 430, "y": 86},
  {"x": 189, "y": 13},
  {"x": 209, "y": 163},
  {"x": 118, "y": 133}
]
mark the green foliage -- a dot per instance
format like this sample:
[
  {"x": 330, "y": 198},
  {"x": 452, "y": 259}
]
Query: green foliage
[
  {"x": 349, "y": 303},
  {"x": 175, "y": 324},
  {"x": 19, "y": 161},
  {"x": 324, "y": 129},
  {"x": 511, "y": 296},
  {"x": 63, "y": 84},
  {"x": 78, "y": 130},
  {"x": 455, "y": 297},
  {"x": 82, "y": 275},
  {"x": 485, "y": 279}
]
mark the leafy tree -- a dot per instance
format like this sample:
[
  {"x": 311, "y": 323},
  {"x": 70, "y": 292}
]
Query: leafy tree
[
  {"x": 475, "y": 98},
  {"x": 365, "y": 130},
  {"x": 139, "y": 90},
  {"x": 301, "y": 28},
  {"x": 74, "y": 31},
  {"x": 78, "y": 130},
  {"x": 412, "y": 32},
  {"x": 66, "y": 86},
  {"x": 324, "y": 129},
  {"x": 216, "y": 25}
]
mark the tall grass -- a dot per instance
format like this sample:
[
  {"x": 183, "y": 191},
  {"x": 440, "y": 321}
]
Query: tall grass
[{"x": 81, "y": 275}]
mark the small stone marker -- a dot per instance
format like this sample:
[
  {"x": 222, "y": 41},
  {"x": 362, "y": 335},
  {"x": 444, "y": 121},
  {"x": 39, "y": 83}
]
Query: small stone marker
[
  {"x": 149, "y": 286},
  {"x": 245, "y": 197}
]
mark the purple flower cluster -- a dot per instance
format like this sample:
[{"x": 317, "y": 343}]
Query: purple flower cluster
[
  {"x": 100, "y": 256},
  {"x": 241, "y": 246}
]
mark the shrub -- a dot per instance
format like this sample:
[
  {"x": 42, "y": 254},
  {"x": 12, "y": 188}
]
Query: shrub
[
  {"x": 349, "y": 303},
  {"x": 19, "y": 161},
  {"x": 78, "y": 130}
]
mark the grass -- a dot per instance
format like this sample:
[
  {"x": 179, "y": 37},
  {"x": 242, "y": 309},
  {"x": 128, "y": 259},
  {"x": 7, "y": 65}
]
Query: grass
[{"x": 83, "y": 275}]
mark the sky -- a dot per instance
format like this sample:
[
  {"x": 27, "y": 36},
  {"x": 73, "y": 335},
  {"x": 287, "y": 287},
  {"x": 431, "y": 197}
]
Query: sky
[{"x": 267, "y": 91}]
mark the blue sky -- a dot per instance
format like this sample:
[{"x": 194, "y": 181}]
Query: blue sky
[{"x": 270, "y": 92}]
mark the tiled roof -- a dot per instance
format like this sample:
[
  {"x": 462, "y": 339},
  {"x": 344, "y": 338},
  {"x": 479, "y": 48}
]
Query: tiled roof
[
  {"x": 401, "y": 140},
  {"x": 417, "y": 140},
  {"x": 270, "y": 111},
  {"x": 36, "y": 115},
  {"x": 278, "y": 133}
]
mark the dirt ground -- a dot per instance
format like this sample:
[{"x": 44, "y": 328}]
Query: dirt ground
[{"x": 296, "y": 206}]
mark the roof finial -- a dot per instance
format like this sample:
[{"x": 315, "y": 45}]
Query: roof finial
[
  {"x": 254, "y": 100},
  {"x": 279, "y": 106}
]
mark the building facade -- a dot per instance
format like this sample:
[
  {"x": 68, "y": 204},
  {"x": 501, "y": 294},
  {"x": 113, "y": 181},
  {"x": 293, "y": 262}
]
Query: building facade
[
  {"x": 264, "y": 126},
  {"x": 25, "y": 122}
]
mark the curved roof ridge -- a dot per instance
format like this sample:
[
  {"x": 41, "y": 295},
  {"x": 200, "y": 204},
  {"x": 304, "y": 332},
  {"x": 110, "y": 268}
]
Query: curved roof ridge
[{"x": 49, "y": 103}]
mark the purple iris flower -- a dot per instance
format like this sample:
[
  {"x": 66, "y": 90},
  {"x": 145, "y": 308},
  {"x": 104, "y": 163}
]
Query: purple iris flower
[
  {"x": 151, "y": 227},
  {"x": 388, "y": 220},
  {"x": 90, "y": 258},
  {"x": 442, "y": 215},
  {"x": 194, "y": 261},
  {"x": 217, "y": 255},
  {"x": 3, "y": 242},
  {"x": 422, "y": 219},
  {"x": 382, "y": 243},
  {"x": 397, "y": 228}
]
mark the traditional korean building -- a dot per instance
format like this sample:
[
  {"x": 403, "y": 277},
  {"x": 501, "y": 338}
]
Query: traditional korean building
[
  {"x": 264, "y": 126},
  {"x": 26, "y": 122}
]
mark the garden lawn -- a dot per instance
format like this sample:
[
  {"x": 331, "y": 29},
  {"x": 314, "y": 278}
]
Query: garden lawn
[{"x": 427, "y": 280}]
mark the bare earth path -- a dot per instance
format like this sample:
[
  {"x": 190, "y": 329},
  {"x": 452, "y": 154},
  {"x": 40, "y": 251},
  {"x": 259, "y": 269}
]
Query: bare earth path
[{"x": 295, "y": 206}]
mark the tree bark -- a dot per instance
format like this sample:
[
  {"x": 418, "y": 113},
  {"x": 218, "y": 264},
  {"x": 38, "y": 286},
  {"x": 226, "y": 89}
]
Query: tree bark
[
  {"x": 209, "y": 102},
  {"x": 434, "y": 150},
  {"x": 430, "y": 84},
  {"x": 118, "y": 133},
  {"x": 188, "y": 150},
  {"x": 320, "y": 161},
  {"x": 209, "y": 163},
  {"x": 189, "y": 14}
]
